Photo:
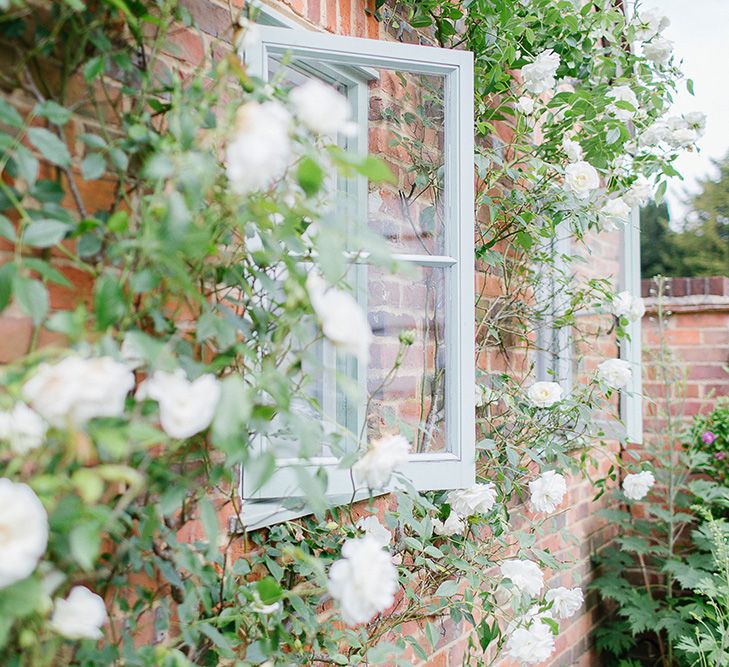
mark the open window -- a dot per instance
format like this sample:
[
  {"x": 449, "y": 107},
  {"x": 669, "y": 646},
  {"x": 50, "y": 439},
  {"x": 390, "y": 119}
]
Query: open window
[{"x": 414, "y": 108}]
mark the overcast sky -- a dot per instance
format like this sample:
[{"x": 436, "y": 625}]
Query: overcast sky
[{"x": 700, "y": 32}]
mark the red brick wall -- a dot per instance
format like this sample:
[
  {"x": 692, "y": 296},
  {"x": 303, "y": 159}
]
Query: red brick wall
[{"x": 696, "y": 330}]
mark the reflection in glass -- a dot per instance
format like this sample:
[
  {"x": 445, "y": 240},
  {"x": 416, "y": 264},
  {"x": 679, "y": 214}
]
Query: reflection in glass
[
  {"x": 412, "y": 400},
  {"x": 407, "y": 130}
]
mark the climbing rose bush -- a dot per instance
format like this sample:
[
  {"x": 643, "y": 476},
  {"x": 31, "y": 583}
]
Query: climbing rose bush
[{"x": 216, "y": 268}]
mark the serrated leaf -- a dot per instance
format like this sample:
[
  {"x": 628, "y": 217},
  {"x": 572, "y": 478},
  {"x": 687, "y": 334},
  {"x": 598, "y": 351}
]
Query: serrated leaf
[
  {"x": 49, "y": 146},
  {"x": 85, "y": 543},
  {"x": 32, "y": 297},
  {"x": 54, "y": 112},
  {"x": 93, "y": 68},
  {"x": 93, "y": 166},
  {"x": 26, "y": 164},
  {"x": 109, "y": 301},
  {"x": 44, "y": 233}
]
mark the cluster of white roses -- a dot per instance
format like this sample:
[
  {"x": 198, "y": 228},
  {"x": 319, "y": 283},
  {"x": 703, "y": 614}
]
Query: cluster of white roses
[
  {"x": 261, "y": 149},
  {"x": 68, "y": 394},
  {"x": 648, "y": 24},
  {"x": 24, "y": 531},
  {"x": 531, "y": 639},
  {"x": 477, "y": 499}
]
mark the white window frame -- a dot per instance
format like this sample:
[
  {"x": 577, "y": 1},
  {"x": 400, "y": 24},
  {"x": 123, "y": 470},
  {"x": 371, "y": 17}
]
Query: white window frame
[
  {"x": 555, "y": 353},
  {"x": 353, "y": 59}
]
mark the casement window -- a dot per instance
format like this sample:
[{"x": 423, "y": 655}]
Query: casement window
[
  {"x": 427, "y": 222},
  {"x": 555, "y": 359}
]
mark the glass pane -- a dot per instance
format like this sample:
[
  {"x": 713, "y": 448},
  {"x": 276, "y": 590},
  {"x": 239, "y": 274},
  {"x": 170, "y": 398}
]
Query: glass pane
[
  {"x": 411, "y": 398},
  {"x": 407, "y": 130}
]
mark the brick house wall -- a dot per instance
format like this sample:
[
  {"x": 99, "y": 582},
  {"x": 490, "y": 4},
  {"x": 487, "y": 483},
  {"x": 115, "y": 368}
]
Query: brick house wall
[
  {"x": 213, "y": 34},
  {"x": 696, "y": 331}
]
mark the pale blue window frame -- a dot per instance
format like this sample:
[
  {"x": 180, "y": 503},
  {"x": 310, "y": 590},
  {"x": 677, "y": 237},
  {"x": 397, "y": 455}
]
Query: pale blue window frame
[{"x": 351, "y": 60}]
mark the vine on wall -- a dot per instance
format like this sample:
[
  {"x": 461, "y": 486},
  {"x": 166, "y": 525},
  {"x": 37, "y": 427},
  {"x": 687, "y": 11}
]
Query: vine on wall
[{"x": 121, "y": 445}]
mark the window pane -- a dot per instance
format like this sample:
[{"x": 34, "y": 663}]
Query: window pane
[
  {"x": 410, "y": 399},
  {"x": 407, "y": 130}
]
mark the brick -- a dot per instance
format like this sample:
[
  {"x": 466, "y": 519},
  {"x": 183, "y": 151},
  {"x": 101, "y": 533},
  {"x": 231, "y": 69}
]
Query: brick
[{"x": 211, "y": 18}]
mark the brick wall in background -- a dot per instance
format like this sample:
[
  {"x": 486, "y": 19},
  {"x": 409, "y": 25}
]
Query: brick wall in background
[{"x": 697, "y": 333}]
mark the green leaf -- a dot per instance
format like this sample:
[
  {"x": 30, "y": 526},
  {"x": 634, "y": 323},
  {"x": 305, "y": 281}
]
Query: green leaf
[
  {"x": 54, "y": 112},
  {"x": 7, "y": 229},
  {"x": 85, "y": 543},
  {"x": 109, "y": 302},
  {"x": 93, "y": 68},
  {"x": 690, "y": 86},
  {"x": 268, "y": 590},
  {"x": 32, "y": 297},
  {"x": 9, "y": 114},
  {"x": 376, "y": 169},
  {"x": 231, "y": 414},
  {"x": 310, "y": 176},
  {"x": 21, "y": 599},
  {"x": 27, "y": 165},
  {"x": 93, "y": 166},
  {"x": 7, "y": 273},
  {"x": 44, "y": 233},
  {"x": 209, "y": 520},
  {"x": 49, "y": 146}
]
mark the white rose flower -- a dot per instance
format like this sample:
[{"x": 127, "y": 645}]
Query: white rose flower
[
  {"x": 648, "y": 23},
  {"x": 676, "y": 123},
  {"x": 532, "y": 644},
  {"x": 565, "y": 601},
  {"x": 260, "y": 150},
  {"x": 539, "y": 76},
  {"x": 658, "y": 50},
  {"x": 322, "y": 109},
  {"x": 453, "y": 525},
  {"x": 544, "y": 394},
  {"x": 639, "y": 192},
  {"x": 76, "y": 389},
  {"x": 636, "y": 486},
  {"x": 372, "y": 527},
  {"x": 382, "y": 458},
  {"x": 185, "y": 408},
  {"x": 623, "y": 94},
  {"x": 581, "y": 178},
  {"x": 615, "y": 373},
  {"x": 613, "y": 213},
  {"x": 524, "y": 574},
  {"x": 525, "y": 104},
  {"x": 696, "y": 120},
  {"x": 572, "y": 149},
  {"x": 683, "y": 137},
  {"x": 477, "y": 499},
  {"x": 23, "y": 428},
  {"x": 343, "y": 321},
  {"x": 654, "y": 134},
  {"x": 23, "y": 531},
  {"x": 547, "y": 491},
  {"x": 80, "y": 616},
  {"x": 628, "y": 306},
  {"x": 364, "y": 581}
]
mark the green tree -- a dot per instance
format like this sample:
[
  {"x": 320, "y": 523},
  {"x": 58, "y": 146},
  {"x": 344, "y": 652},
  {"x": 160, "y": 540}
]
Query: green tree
[
  {"x": 701, "y": 248},
  {"x": 657, "y": 243}
]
